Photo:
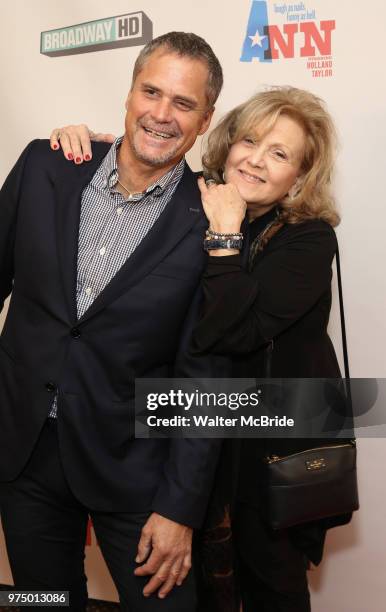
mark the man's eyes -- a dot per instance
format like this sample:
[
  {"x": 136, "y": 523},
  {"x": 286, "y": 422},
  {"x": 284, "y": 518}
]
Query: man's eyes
[
  {"x": 183, "y": 105},
  {"x": 150, "y": 92}
]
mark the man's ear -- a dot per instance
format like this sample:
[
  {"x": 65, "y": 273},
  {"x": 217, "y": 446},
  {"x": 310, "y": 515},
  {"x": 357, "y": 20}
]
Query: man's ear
[
  {"x": 207, "y": 118},
  {"x": 127, "y": 99}
]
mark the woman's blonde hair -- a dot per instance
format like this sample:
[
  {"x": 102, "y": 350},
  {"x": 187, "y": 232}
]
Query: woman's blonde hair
[{"x": 313, "y": 198}]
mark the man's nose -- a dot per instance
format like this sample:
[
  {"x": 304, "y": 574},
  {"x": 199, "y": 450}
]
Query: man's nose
[{"x": 161, "y": 110}]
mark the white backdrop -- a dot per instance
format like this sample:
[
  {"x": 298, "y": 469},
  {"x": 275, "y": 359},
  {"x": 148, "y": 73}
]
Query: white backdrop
[{"x": 40, "y": 92}]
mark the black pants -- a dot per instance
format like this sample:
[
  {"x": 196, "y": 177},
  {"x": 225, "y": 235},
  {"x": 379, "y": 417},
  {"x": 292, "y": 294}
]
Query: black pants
[
  {"x": 45, "y": 532},
  {"x": 272, "y": 570}
]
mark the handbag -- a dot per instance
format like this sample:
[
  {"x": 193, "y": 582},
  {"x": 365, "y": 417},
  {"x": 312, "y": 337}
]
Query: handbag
[{"x": 312, "y": 484}]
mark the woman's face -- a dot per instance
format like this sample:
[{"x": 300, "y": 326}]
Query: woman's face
[{"x": 265, "y": 170}]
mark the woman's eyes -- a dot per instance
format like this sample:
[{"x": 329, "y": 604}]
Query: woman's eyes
[
  {"x": 280, "y": 154},
  {"x": 248, "y": 140},
  {"x": 276, "y": 153}
]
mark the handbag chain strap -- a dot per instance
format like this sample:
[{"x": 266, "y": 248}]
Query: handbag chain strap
[
  {"x": 343, "y": 330},
  {"x": 342, "y": 317}
]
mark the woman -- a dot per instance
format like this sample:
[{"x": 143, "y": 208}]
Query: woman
[
  {"x": 269, "y": 160},
  {"x": 273, "y": 157}
]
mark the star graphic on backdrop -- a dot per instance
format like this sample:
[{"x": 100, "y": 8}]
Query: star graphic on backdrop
[{"x": 257, "y": 39}]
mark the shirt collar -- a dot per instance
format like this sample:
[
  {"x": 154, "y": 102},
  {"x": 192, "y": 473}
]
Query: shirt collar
[{"x": 109, "y": 172}]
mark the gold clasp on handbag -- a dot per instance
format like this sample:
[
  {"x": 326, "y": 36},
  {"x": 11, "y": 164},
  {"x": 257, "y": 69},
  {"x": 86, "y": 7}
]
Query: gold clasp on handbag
[
  {"x": 316, "y": 464},
  {"x": 272, "y": 459}
]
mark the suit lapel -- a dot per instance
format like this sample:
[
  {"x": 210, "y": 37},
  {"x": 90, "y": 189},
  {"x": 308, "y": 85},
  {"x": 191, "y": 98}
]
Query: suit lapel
[{"x": 180, "y": 214}]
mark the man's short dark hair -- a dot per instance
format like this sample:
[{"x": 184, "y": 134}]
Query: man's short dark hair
[{"x": 189, "y": 45}]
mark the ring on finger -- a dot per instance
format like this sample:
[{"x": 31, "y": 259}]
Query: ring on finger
[
  {"x": 210, "y": 182},
  {"x": 161, "y": 578}
]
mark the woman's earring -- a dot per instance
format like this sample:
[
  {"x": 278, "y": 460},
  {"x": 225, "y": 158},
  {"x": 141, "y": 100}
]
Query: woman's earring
[
  {"x": 291, "y": 194},
  {"x": 294, "y": 190},
  {"x": 223, "y": 176}
]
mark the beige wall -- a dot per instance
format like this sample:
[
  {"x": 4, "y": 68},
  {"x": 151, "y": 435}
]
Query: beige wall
[{"x": 40, "y": 92}]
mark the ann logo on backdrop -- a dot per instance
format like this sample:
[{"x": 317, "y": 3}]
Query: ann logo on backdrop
[{"x": 296, "y": 33}]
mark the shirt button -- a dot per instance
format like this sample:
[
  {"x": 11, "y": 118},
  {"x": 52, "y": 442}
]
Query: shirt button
[
  {"x": 119, "y": 210},
  {"x": 88, "y": 291},
  {"x": 51, "y": 387},
  {"x": 75, "y": 332},
  {"x": 102, "y": 251}
]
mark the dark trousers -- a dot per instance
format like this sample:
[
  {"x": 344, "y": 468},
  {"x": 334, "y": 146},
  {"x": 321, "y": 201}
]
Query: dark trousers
[
  {"x": 45, "y": 532},
  {"x": 272, "y": 570}
]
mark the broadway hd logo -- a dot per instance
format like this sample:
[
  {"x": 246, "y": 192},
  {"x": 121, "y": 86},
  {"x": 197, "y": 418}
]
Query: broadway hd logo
[{"x": 109, "y": 33}]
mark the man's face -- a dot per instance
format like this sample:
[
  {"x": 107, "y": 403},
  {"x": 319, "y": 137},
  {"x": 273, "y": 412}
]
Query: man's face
[{"x": 166, "y": 109}]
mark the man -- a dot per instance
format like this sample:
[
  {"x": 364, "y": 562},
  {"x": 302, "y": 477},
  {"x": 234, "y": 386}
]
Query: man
[{"x": 104, "y": 261}]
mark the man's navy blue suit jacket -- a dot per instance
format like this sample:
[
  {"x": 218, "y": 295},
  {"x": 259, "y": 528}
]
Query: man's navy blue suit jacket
[{"x": 139, "y": 326}]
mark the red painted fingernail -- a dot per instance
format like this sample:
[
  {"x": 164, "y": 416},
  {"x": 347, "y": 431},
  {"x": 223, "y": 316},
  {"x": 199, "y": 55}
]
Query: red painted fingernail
[
  {"x": 70, "y": 156},
  {"x": 87, "y": 157},
  {"x": 55, "y": 146},
  {"x": 78, "y": 160}
]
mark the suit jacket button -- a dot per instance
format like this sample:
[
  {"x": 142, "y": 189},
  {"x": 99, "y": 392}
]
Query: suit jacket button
[
  {"x": 51, "y": 387},
  {"x": 75, "y": 332}
]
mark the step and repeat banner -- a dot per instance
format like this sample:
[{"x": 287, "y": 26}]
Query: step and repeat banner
[{"x": 71, "y": 62}]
